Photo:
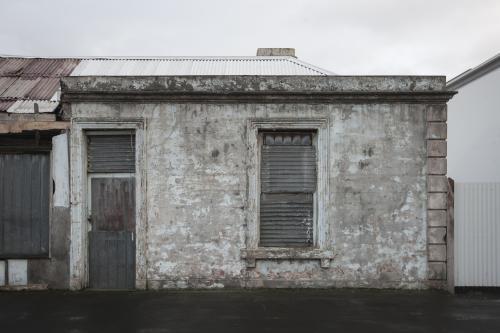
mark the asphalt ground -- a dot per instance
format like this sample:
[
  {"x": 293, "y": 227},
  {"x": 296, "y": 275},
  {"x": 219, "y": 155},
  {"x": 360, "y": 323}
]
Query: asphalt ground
[{"x": 304, "y": 310}]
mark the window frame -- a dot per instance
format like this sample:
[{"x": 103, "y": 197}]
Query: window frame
[{"x": 320, "y": 249}]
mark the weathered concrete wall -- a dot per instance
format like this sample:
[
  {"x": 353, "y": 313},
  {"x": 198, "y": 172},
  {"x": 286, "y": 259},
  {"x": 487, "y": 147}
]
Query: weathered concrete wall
[
  {"x": 197, "y": 187},
  {"x": 53, "y": 273}
]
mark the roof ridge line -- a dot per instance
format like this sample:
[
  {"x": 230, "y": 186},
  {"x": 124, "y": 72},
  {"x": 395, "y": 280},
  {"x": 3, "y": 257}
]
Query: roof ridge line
[
  {"x": 142, "y": 57},
  {"x": 311, "y": 67}
]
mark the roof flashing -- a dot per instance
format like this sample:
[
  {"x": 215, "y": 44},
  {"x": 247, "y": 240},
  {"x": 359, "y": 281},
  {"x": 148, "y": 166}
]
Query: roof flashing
[{"x": 474, "y": 73}]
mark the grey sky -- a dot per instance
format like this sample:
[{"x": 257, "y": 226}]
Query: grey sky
[{"x": 347, "y": 37}]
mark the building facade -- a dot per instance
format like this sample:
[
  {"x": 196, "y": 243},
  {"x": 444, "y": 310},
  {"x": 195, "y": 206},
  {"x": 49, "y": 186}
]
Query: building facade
[
  {"x": 247, "y": 181},
  {"x": 267, "y": 181}
]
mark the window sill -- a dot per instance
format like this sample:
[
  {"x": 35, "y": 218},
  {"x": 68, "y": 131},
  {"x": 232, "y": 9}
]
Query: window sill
[{"x": 252, "y": 255}]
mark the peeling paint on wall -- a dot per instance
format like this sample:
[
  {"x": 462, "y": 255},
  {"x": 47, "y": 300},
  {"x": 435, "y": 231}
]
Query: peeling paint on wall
[{"x": 197, "y": 192}]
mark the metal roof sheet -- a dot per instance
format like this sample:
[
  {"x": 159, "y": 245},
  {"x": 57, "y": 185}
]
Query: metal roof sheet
[
  {"x": 13, "y": 66},
  {"x": 28, "y": 106},
  {"x": 45, "y": 88},
  {"x": 5, "y": 104},
  {"x": 36, "y": 67},
  {"x": 31, "y": 79},
  {"x": 5, "y": 83},
  {"x": 20, "y": 88},
  {"x": 196, "y": 66}
]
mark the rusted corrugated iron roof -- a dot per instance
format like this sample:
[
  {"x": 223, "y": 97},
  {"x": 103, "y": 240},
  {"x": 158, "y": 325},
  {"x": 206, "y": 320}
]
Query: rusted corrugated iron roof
[
  {"x": 36, "y": 67},
  {"x": 31, "y": 80},
  {"x": 5, "y": 104},
  {"x": 5, "y": 83}
]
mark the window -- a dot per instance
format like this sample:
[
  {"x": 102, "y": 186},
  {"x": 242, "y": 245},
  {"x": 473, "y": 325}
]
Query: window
[
  {"x": 288, "y": 191},
  {"x": 288, "y": 182}
]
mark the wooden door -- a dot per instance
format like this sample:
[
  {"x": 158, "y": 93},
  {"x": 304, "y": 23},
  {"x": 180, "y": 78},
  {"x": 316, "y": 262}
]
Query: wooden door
[{"x": 112, "y": 237}]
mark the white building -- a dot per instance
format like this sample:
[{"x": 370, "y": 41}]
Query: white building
[
  {"x": 474, "y": 164},
  {"x": 474, "y": 124}
]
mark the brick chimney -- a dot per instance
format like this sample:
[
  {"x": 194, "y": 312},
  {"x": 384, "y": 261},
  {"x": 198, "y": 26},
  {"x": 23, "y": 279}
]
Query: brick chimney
[{"x": 276, "y": 52}]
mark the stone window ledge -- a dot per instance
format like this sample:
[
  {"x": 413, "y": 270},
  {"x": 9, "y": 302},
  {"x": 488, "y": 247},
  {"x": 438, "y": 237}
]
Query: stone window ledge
[{"x": 252, "y": 255}]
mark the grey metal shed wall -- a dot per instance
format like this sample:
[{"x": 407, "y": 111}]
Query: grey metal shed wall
[{"x": 24, "y": 205}]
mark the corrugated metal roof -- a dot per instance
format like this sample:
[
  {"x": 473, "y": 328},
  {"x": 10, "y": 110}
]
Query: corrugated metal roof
[
  {"x": 36, "y": 67},
  {"x": 31, "y": 80},
  {"x": 13, "y": 66},
  {"x": 196, "y": 66},
  {"x": 5, "y": 104},
  {"x": 5, "y": 83},
  {"x": 20, "y": 88},
  {"x": 28, "y": 106},
  {"x": 45, "y": 88}
]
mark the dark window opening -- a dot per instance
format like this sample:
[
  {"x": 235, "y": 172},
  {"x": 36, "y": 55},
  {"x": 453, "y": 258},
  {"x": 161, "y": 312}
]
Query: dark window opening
[{"x": 288, "y": 182}]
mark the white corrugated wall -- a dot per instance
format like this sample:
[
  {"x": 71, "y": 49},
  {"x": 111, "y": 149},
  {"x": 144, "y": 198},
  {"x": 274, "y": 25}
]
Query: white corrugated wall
[{"x": 477, "y": 234}]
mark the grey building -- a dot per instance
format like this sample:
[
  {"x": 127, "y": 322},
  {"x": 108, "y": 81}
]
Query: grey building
[{"x": 253, "y": 172}]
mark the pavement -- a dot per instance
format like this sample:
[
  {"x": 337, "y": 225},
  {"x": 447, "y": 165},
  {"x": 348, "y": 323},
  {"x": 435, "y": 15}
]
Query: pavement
[{"x": 331, "y": 310}]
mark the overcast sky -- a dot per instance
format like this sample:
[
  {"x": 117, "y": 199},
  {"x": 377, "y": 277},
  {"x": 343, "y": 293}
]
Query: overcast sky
[{"x": 347, "y": 37}]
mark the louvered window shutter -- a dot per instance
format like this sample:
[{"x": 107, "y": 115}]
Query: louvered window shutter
[
  {"x": 288, "y": 183},
  {"x": 111, "y": 153}
]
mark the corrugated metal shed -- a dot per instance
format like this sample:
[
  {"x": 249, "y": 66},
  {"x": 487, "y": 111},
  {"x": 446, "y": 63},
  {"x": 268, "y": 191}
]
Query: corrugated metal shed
[
  {"x": 257, "y": 65},
  {"x": 26, "y": 81}
]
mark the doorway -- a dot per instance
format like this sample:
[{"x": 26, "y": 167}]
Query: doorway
[{"x": 111, "y": 209}]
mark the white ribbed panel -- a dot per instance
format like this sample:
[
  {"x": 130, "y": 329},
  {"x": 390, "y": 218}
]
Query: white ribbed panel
[
  {"x": 197, "y": 66},
  {"x": 477, "y": 234}
]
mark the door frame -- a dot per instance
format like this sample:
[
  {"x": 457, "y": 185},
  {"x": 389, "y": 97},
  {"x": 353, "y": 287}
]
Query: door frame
[{"x": 79, "y": 249}]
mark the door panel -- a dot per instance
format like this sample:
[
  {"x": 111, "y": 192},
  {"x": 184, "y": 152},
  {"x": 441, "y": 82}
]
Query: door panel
[
  {"x": 112, "y": 260},
  {"x": 112, "y": 239},
  {"x": 113, "y": 204}
]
